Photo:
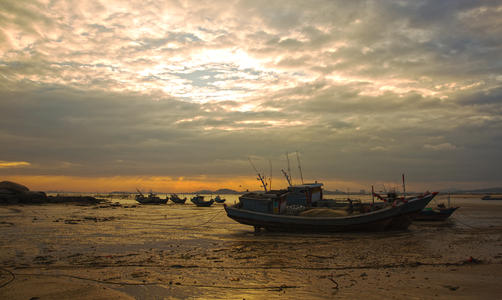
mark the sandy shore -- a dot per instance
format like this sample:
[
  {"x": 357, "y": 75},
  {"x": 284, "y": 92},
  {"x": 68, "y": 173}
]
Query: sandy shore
[{"x": 60, "y": 251}]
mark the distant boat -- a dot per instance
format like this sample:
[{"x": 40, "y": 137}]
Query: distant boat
[
  {"x": 218, "y": 199},
  {"x": 490, "y": 197},
  {"x": 199, "y": 201},
  {"x": 176, "y": 199},
  {"x": 150, "y": 199}
]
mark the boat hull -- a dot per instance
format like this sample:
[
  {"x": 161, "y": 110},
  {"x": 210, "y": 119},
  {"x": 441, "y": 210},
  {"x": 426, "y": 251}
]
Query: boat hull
[
  {"x": 373, "y": 221},
  {"x": 153, "y": 202},
  {"x": 435, "y": 215},
  {"x": 410, "y": 211}
]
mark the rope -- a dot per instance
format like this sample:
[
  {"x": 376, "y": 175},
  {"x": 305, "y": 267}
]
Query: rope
[{"x": 10, "y": 280}]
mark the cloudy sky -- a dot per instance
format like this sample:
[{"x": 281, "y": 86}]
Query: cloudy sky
[{"x": 177, "y": 95}]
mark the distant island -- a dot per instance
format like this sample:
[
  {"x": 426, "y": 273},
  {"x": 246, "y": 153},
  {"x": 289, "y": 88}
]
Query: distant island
[{"x": 219, "y": 191}]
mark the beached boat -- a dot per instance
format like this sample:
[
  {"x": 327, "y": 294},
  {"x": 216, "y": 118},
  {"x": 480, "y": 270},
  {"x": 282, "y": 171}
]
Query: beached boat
[
  {"x": 176, "y": 199},
  {"x": 218, "y": 199},
  {"x": 150, "y": 199},
  {"x": 199, "y": 201},
  {"x": 269, "y": 210},
  {"x": 439, "y": 213}
]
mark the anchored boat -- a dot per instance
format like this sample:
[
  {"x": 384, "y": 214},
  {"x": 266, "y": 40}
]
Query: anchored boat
[
  {"x": 296, "y": 209},
  {"x": 199, "y": 201},
  {"x": 150, "y": 199},
  {"x": 176, "y": 199}
]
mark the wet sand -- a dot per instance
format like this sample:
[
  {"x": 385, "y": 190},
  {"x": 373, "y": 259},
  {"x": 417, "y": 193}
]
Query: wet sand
[{"x": 63, "y": 251}]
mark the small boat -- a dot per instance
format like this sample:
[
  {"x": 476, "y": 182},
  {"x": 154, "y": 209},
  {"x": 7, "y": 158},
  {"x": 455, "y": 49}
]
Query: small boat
[
  {"x": 199, "y": 201},
  {"x": 176, "y": 199},
  {"x": 490, "y": 197},
  {"x": 415, "y": 204},
  {"x": 218, "y": 199},
  {"x": 440, "y": 213},
  {"x": 269, "y": 210},
  {"x": 150, "y": 199}
]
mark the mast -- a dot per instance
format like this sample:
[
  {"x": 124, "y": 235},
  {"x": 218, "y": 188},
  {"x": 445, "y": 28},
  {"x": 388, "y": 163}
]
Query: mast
[
  {"x": 404, "y": 187},
  {"x": 299, "y": 166},
  {"x": 288, "y": 173},
  {"x": 270, "y": 182},
  {"x": 259, "y": 176},
  {"x": 372, "y": 195}
]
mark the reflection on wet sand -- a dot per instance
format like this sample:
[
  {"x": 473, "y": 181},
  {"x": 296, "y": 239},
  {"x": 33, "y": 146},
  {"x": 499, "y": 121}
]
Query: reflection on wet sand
[{"x": 184, "y": 251}]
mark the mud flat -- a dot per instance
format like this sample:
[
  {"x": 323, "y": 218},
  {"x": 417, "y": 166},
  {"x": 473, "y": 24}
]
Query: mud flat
[{"x": 129, "y": 251}]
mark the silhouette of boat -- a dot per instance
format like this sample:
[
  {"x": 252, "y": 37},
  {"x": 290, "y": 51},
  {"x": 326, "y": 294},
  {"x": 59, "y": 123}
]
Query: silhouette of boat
[
  {"x": 150, "y": 199},
  {"x": 176, "y": 199},
  {"x": 199, "y": 201},
  {"x": 218, "y": 199}
]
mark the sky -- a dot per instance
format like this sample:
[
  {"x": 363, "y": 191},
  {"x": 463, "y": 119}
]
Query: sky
[{"x": 180, "y": 95}]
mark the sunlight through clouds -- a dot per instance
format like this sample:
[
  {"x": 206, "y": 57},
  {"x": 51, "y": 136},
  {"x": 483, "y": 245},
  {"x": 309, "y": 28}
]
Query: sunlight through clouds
[{"x": 364, "y": 89}]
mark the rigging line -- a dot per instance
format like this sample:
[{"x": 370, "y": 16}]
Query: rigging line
[{"x": 13, "y": 276}]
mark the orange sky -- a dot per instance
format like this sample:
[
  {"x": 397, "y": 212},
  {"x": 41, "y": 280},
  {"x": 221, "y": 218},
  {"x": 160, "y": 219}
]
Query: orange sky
[{"x": 179, "y": 185}]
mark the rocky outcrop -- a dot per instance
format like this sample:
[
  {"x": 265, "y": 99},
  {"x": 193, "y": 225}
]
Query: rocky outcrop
[{"x": 15, "y": 193}]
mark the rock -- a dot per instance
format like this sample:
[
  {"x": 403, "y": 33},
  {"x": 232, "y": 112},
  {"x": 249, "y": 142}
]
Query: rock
[{"x": 14, "y": 187}]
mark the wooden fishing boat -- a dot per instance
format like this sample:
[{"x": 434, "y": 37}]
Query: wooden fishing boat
[
  {"x": 440, "y": 213},
  {"x": 218, "y": 199},
  {"x": 176, "y": 199},
  {"x": 150, "y": 199},
  {"x": 414, "y": 205},
  {"x": 199, "y": 201},
  {"x": 269, "y": 210}
]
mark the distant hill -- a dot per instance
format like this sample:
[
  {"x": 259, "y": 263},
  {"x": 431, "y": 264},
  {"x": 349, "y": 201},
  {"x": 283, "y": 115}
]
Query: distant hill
[
  {"x": 226, "y": 191},
  {"x": 220, "y": 191}
]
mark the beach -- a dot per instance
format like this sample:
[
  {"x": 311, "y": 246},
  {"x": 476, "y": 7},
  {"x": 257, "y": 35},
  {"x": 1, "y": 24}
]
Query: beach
[{"x": 131, "y": 251}]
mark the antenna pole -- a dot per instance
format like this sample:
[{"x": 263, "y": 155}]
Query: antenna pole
[{"x": 299, "y": 166}]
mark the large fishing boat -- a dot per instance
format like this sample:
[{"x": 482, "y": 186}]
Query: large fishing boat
[{"x": 296, "y": 209}]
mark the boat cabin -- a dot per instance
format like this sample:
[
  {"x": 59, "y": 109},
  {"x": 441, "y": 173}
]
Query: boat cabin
[
  {"x": 304, "y": 194},
  {"x": 276, "y": 201}
]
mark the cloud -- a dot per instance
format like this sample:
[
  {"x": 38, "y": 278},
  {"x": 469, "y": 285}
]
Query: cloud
[
  {"x": 440, "y": 147},
  {"x": 362, "y": 89},
  {"x": 13, "y": 164}
]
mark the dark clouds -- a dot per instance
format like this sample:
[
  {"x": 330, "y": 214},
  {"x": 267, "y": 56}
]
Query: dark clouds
[{"x": 364, "y": 90}]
